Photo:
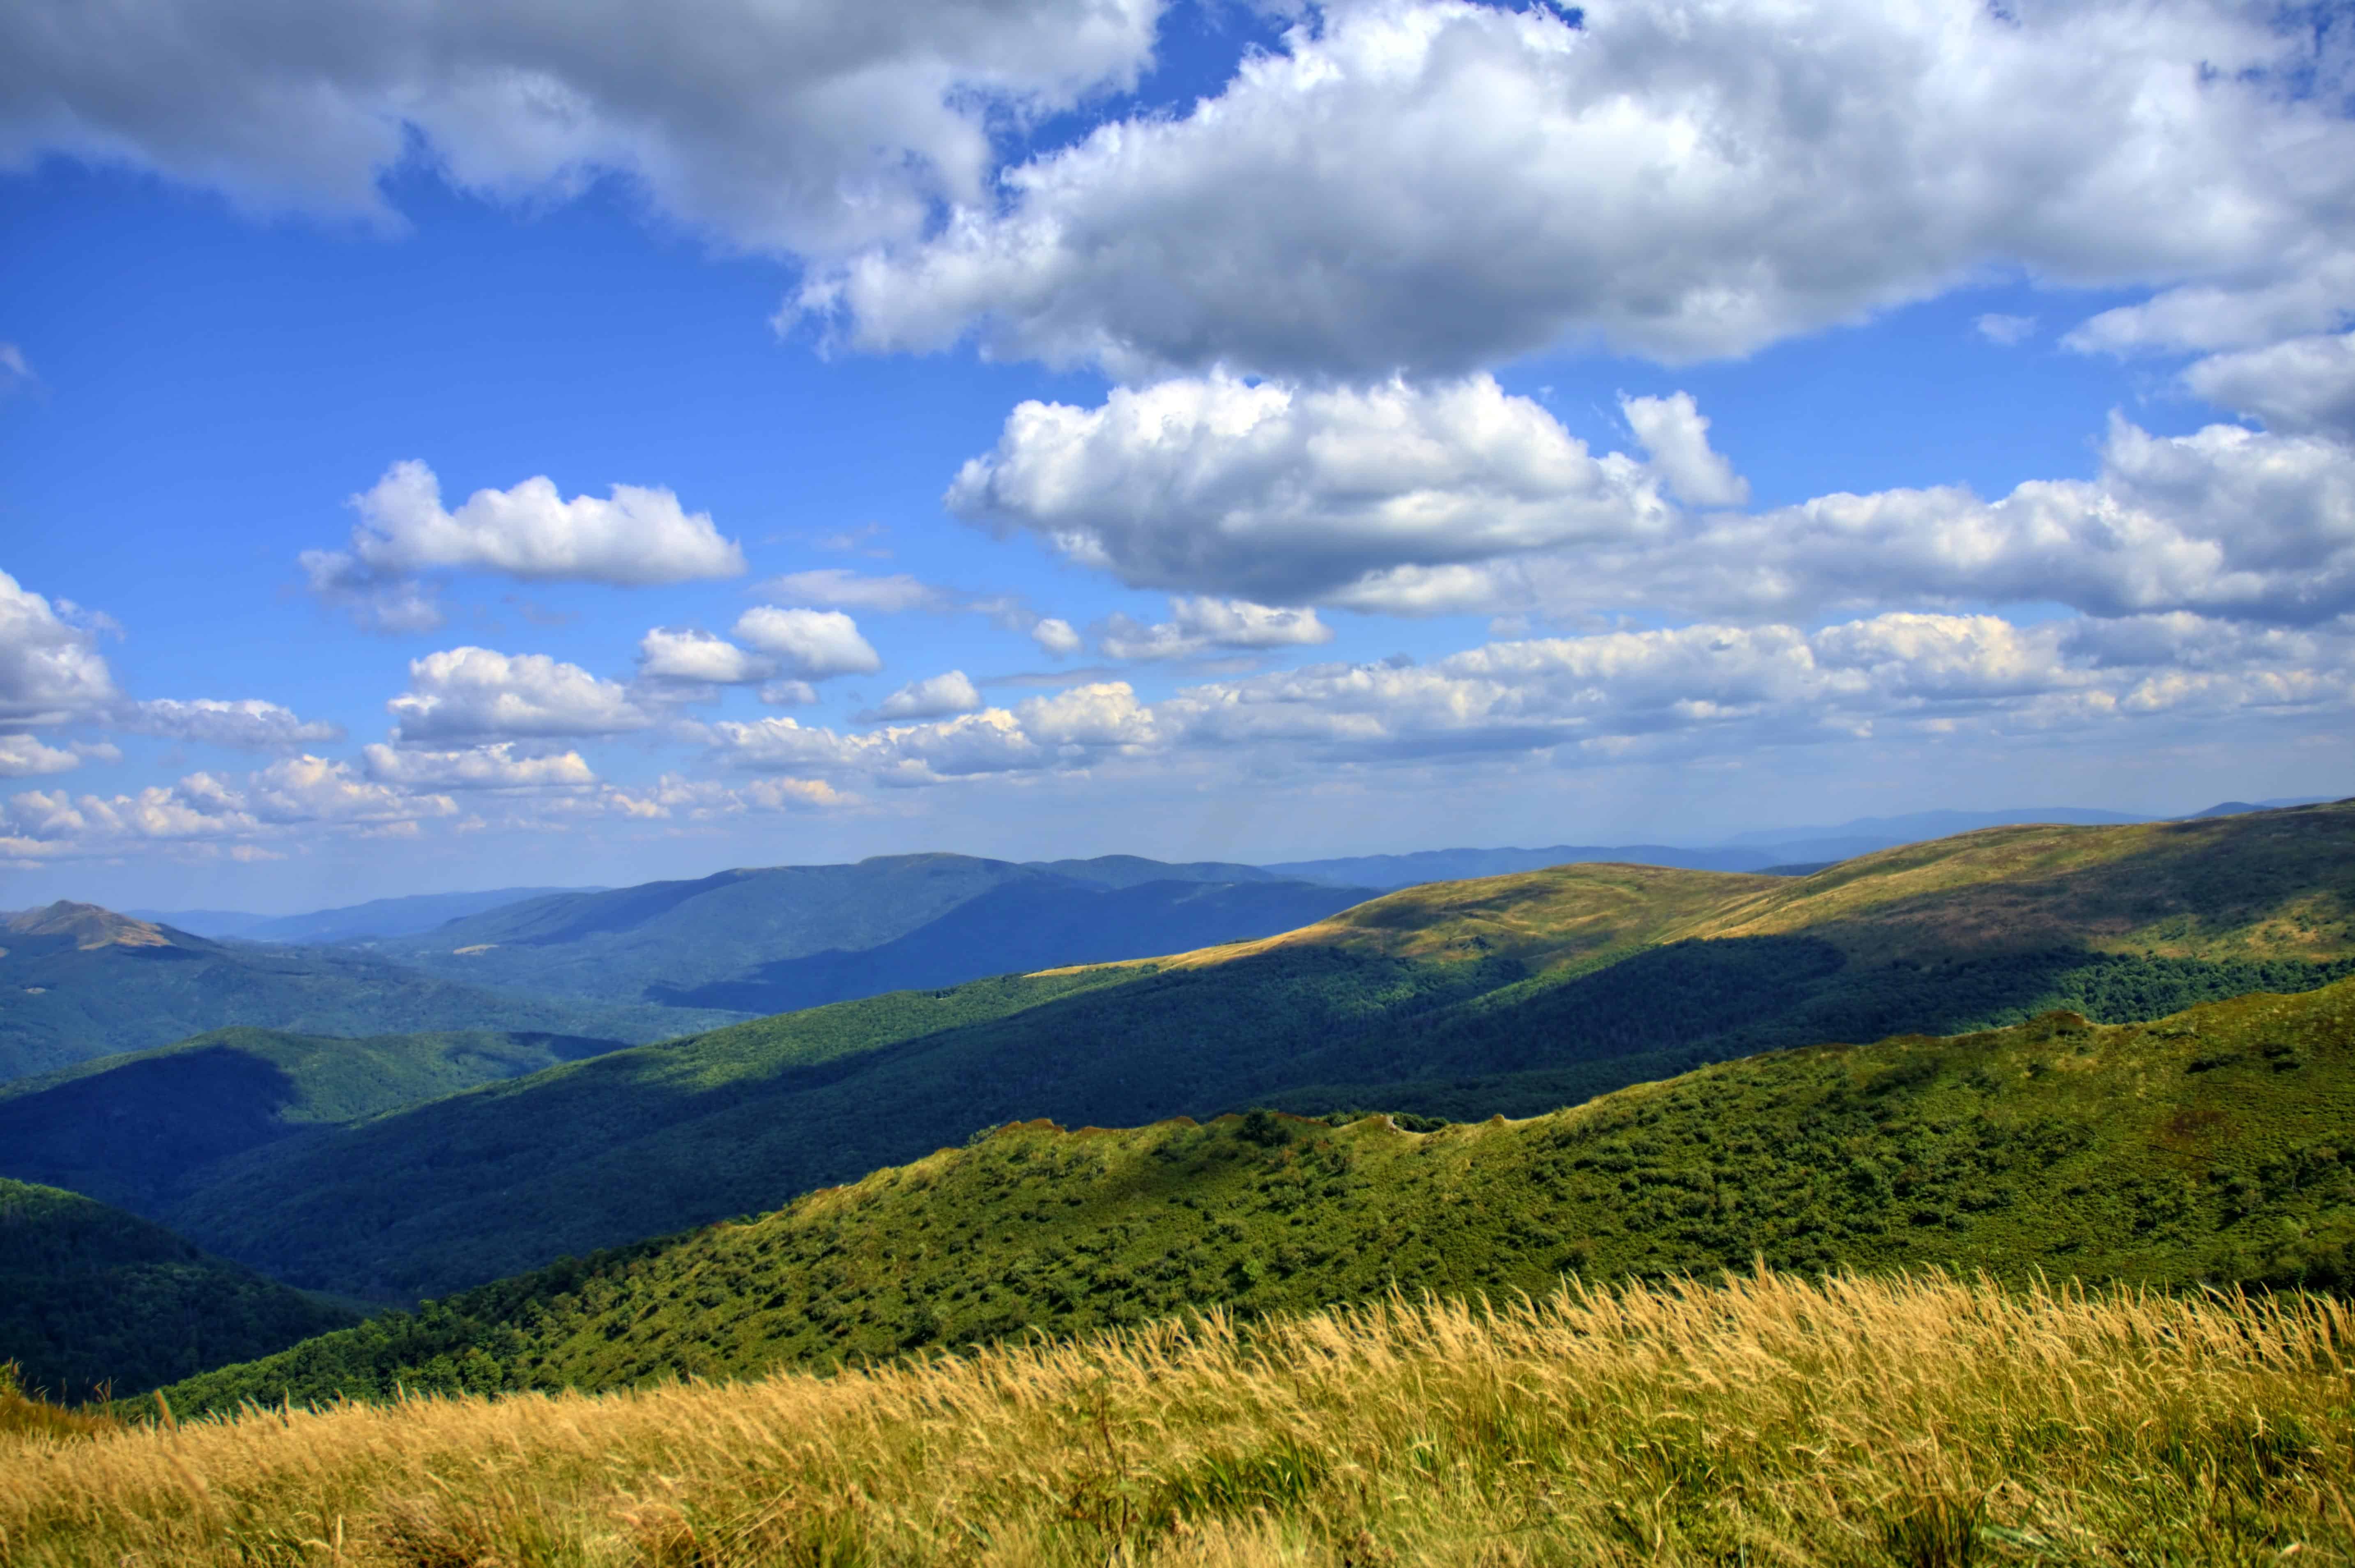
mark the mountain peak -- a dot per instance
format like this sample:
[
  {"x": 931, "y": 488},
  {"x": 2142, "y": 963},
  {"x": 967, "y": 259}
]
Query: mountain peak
[{"x": 90, "y": 925}]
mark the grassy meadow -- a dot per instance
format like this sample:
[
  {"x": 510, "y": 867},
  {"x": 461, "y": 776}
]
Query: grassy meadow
[{"x": 1921, "y": 1420}]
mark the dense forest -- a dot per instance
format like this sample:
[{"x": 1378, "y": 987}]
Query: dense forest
[{"x": 94, "y": 1299}]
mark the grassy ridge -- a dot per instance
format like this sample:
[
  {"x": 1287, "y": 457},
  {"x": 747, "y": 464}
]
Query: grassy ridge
[
  {"x": 91, "y": 1296},
  {"x": 2211, "y": 1146},
  {"x": 1922, "y": 1422}
]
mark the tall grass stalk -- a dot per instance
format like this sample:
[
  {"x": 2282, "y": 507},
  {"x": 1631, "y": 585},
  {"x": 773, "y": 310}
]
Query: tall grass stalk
[{"x": 1920, "y": 1420}]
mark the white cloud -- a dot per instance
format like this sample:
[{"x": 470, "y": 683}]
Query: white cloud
[
  {"x": 1278, "y": 494},
  {"x": 1708, "y": 689},
  {"x": 788, "y": 694},
  {"x": 1677, "y": 437},
  {"x": 1457, "y": 498},
  {"x": 248, "y": 725},
  {"x": 474, "y": 694},
  {"x": 2008, "y": 330},
  {"x": 698, "y": 658},
  {"x": 497, "y": 766},
  {"x": 935, "y": 697},
  {"x": 50, "y": 669},
  {"x": 887, "y": 594},
  {"x": 1431, "y": 186},
  {"x": 1197, "y": 624},
  {"x": 309, "y": 789},
  {"x": 23, "y": 757},
  {"x": 1056, "y": 637},
  {"x": 16, "y": 370},
  {"x": 809, "y": 125},
  {"x": 530, "y": 533},
  {"x": 207, "y": 814},
  {"x": 812, "y": 644},
  {"x": 2305, "y": 385}
]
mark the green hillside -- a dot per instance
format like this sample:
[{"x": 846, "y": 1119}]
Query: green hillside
[
  {"x": 91, "y": 1297},
  {"x": 2211, "y": 1146},
  {"x": 139, "y": 1129},
  {"x": 1514, "y": 995},
  {"x": 79, "y": 982}
]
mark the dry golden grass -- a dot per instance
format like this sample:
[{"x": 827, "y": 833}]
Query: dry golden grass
[{"x": 1919, "y": 1421}]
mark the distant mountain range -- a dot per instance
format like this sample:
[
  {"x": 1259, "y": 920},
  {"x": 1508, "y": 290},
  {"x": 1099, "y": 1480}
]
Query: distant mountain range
[
  {"x": 357, "y": 922},
  {"x": 77, "y": 981},
  {"x": 1780, "y": 850},
  {"x": 778, "y": 937}
]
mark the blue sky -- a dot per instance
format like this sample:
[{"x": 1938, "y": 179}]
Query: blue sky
[{"x": 1090, "y": 426}]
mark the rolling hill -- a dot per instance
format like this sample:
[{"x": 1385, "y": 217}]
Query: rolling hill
[
  {"x": 77, "y": 981},
  {"x": 1514, "y": 995},
  {"x": 2206, "y": 1147},
  {"x": 778, "y": 937},
  {"x": 139, "y": 1129},
  {"x": 91, "y": 1297}
]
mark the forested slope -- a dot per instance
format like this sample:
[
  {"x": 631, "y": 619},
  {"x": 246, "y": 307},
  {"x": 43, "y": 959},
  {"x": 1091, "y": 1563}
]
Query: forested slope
[
  {"x": 140, "y": 1129},
  {"x": 2207, "y": 1147},
  {"x": 92, "y": 1297}
]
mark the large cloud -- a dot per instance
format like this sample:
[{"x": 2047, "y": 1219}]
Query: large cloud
[
  {"x": 1455, "y": 497},
  {"x": 1433, "y": 185},
  {"x": 50, "y": 669},
  {"x": 1278, "y": 493},
  {"x": 471, "y": 695},
  {"x": 801, "y": 126},
  {"x": 638, "y": 538}
]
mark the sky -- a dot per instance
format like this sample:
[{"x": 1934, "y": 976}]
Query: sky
[{"x": 449, "y": 447}]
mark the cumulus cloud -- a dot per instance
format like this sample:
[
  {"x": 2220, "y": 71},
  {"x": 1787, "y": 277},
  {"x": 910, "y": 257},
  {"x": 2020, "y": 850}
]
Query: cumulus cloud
[
  {"x": 698, "y": 658},
  {"x": 2304, "y": 386},
  {"x": 1056, "y": 637},
  {"x": 812, "y": 644},
  {"x": 1711, "y": 688},
  {"x": 495, "y": 767},
  {"x": 794, "y": 127},
  {"x": 635, "y": 538},
  {"x": 935, "y": 697},
  {"x": 1677, "y": 437},
  {"x": 1433, "y": 186},
  {"x": 1278, "y": 493},
  {"x": 1197, "y": 624},
  {"x": 248, "y": 725},
  {"x": 1422, "y": 499},
  {"x": 477, "y": 695},
  {"x": 23, "y": 757},
  {"x": 50, "y": 669},
  {"x": 207, "y": 814},
  {"x": 889, "y": 595}
]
